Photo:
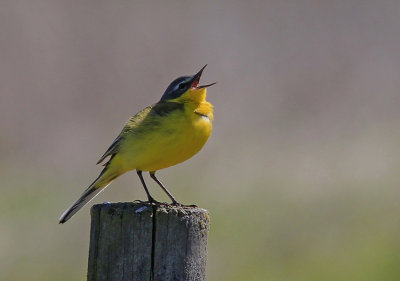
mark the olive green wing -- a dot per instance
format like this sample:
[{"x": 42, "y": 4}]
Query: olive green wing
[
  {"x": 130, "y": 125},
  {"x": 147, "y": 117}
]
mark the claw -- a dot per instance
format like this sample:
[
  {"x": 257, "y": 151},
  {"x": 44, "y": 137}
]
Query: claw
[
  {"x": 177, "y": 204},
  {"x": 191, "y": 206}
]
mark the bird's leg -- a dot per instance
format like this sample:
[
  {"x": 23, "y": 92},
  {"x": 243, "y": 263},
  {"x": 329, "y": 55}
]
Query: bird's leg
[
  {"x": 151, "y": 199},
  {"x": 174, "y": 202}
]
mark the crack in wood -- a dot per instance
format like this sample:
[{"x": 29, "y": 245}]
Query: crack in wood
[
  {"x": 153, "y": 242},
  {"x": 141, "y": 241}
]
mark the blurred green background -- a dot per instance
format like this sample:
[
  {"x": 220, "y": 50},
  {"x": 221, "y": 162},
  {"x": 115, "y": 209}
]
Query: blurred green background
[{"x": 301, "y": 174}]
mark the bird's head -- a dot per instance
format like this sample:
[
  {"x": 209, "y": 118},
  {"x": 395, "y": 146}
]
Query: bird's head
[{"x": 186, "y": 88}]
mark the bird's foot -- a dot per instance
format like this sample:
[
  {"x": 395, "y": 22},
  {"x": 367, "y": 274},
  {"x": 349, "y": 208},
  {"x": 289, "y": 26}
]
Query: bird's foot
[
  {"x": 150, "y": 201},
  {"x": 157, "y": 203},
  {"x": 177, "y": 204},
  {"x": 190, "y": 206},
  {"x": 164, "y": 204}
]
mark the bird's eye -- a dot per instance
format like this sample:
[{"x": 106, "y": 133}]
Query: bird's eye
[{"x": 181, "y": 86}]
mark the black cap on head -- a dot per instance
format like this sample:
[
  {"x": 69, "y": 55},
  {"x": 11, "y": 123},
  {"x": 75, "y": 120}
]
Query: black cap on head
[
  {"x": 182, "y": 84},
  {"x": 177, "y": 88}
]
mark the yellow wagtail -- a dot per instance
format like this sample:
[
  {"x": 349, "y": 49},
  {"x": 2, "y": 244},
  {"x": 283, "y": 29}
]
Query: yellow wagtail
[{"x": 161, "y": 135}]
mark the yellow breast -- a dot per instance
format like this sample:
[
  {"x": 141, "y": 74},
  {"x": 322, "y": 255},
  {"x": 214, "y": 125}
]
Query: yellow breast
[{"x": 176, "y": 138}]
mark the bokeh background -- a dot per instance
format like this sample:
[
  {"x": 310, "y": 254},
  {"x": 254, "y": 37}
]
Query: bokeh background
[{"x": 301, "y": 174}]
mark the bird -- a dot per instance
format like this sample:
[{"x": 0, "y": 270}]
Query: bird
[{"x": 161, "y": 135}]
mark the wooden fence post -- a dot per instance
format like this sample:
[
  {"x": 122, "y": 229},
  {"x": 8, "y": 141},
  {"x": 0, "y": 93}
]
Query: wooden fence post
[{"x": 142, "y": 242}]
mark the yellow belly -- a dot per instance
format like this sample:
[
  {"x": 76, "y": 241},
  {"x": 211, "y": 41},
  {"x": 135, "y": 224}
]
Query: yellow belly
[{"x": 176, "y": 139}]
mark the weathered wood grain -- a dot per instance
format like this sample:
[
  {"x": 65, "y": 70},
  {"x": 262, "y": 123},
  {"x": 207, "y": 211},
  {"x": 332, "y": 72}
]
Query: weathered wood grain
[{"x": 139, "y": 241}]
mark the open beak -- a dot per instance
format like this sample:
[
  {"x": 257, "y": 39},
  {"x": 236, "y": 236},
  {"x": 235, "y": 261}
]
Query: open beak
[{"x": 196, "y": 80}]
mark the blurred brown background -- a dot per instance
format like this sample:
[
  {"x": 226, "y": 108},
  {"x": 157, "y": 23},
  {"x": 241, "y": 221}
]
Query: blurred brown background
[{"x": 301, "y": 172}]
